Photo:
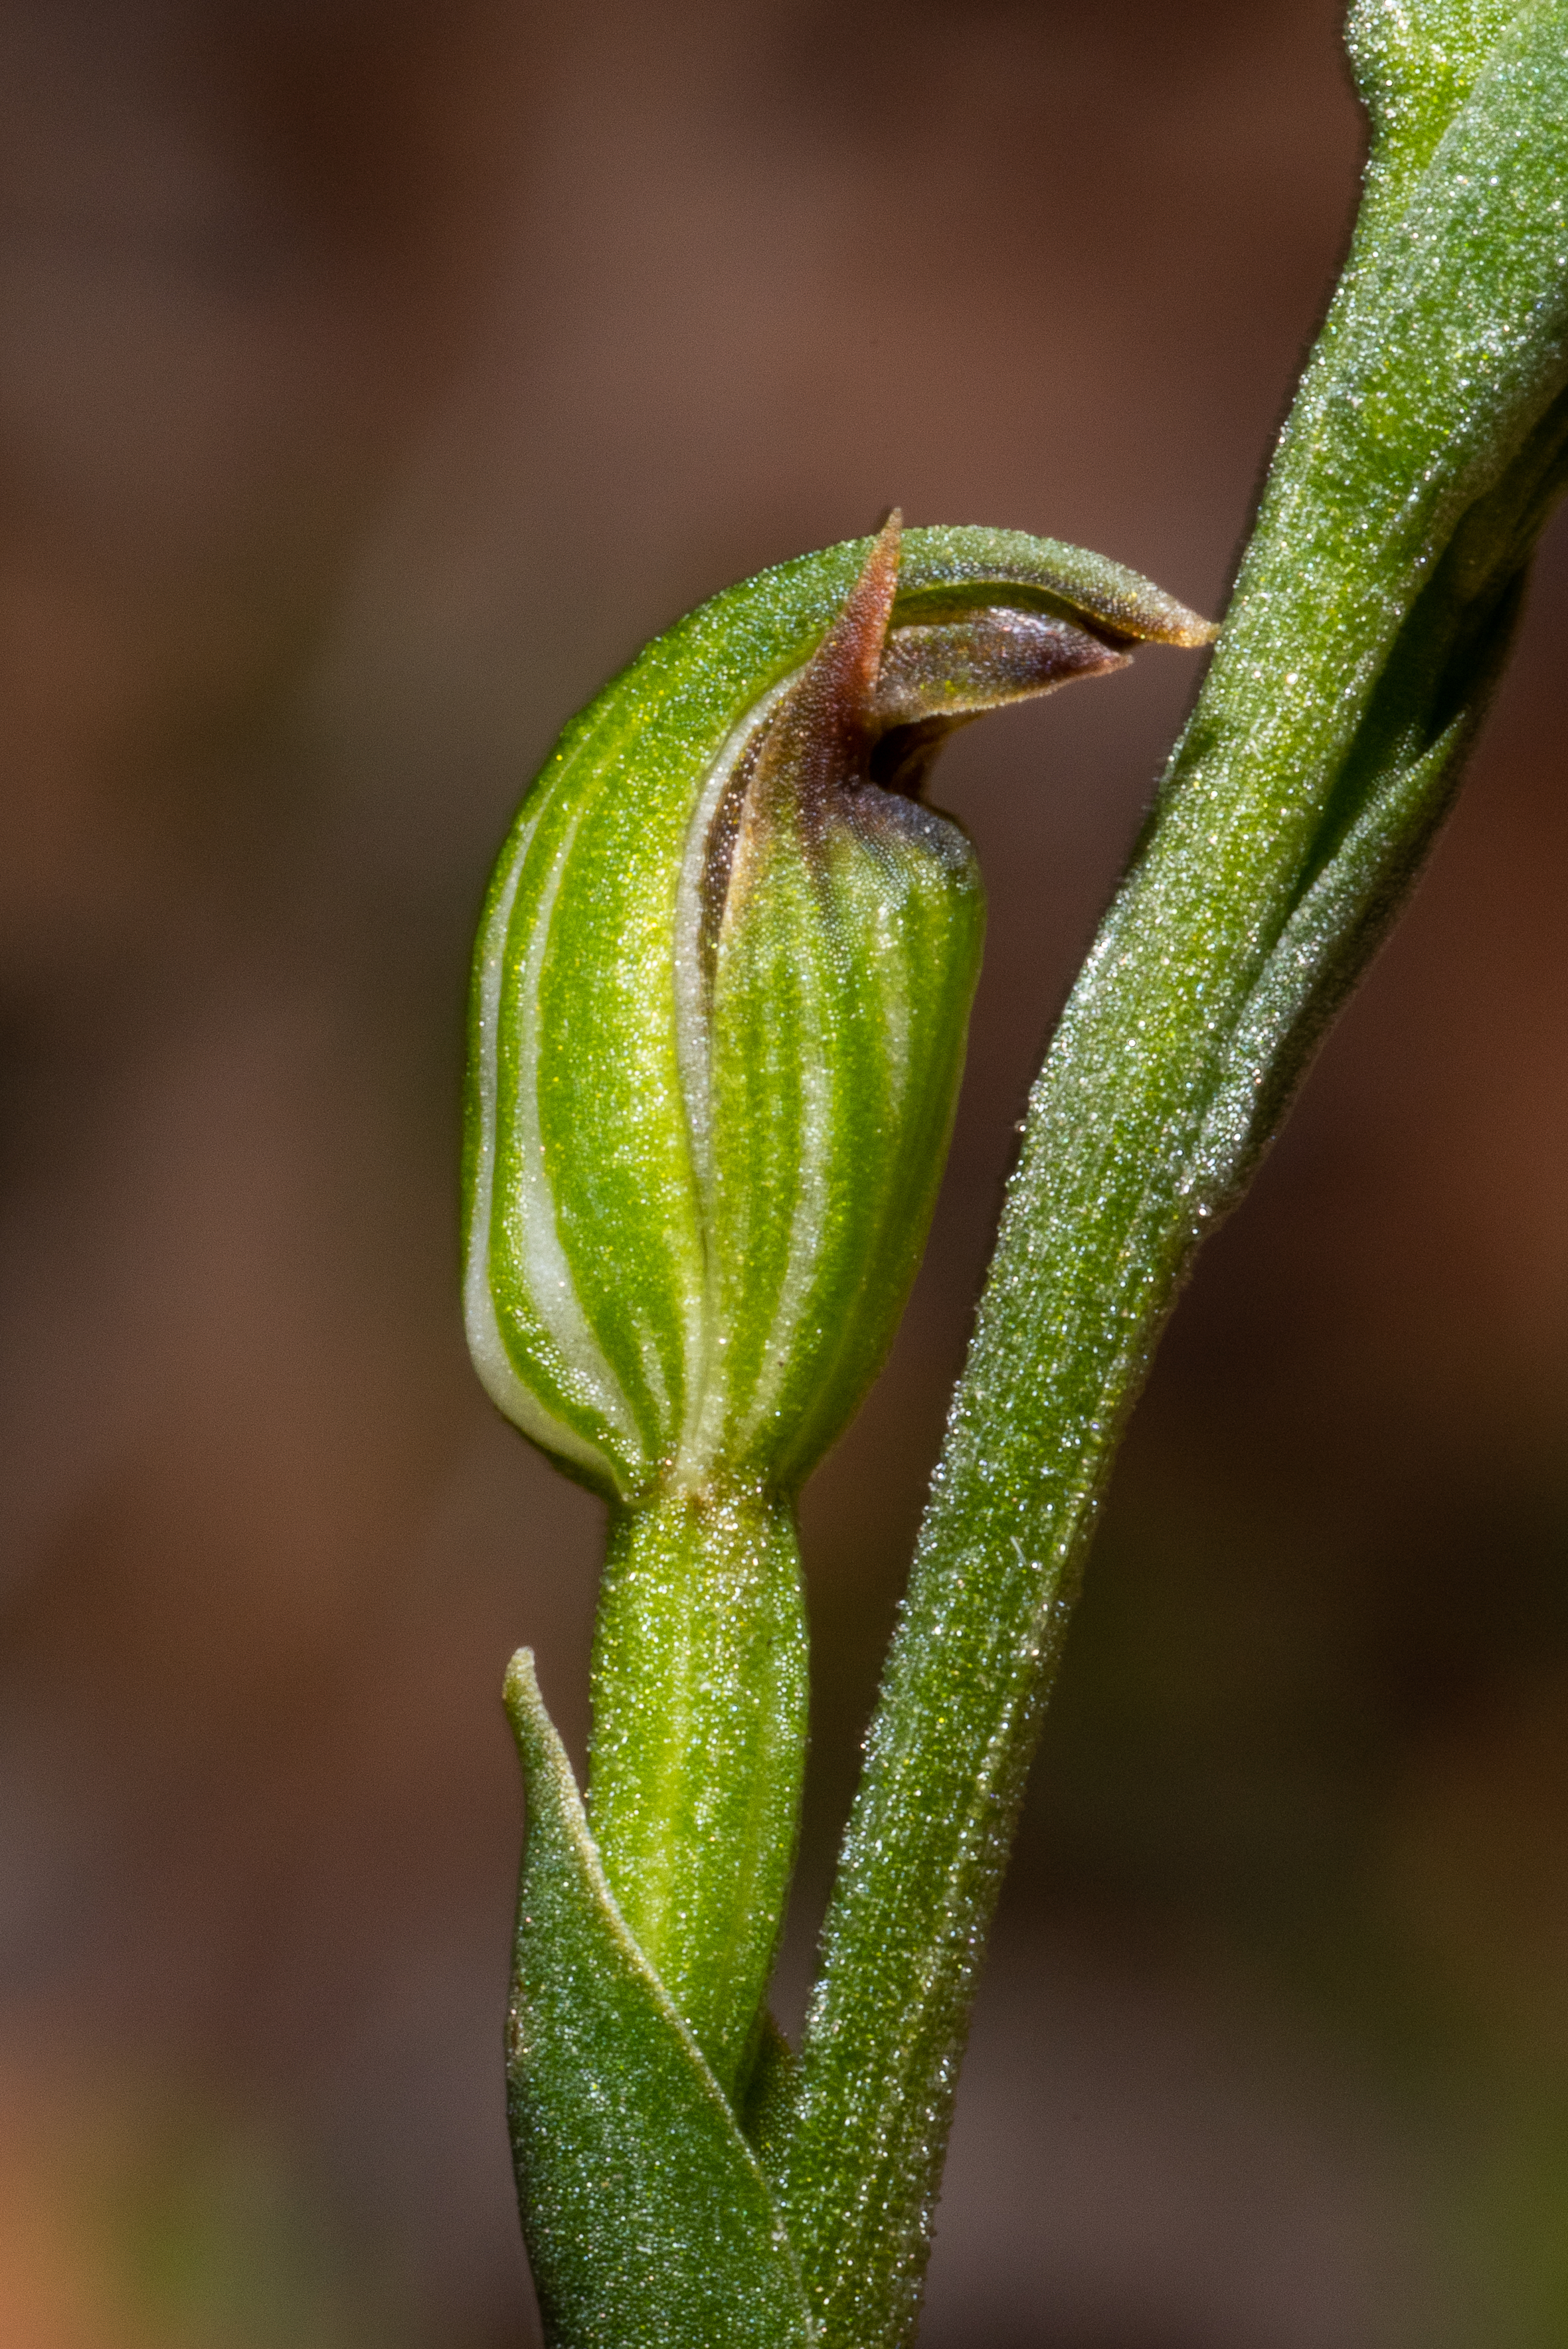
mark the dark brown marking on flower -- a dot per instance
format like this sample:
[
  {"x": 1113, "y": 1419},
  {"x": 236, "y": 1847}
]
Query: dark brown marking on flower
[
  {"x": 817, "y": 743},
  {"x": 936, "y": 675},
  {"x": 869, "y": 710},
  {"x": 823, "y": 732}
]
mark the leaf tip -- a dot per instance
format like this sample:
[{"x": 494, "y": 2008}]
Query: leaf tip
[
  {"x": 520, "y": 1694},
  {"x": 1174, "y": 623}
]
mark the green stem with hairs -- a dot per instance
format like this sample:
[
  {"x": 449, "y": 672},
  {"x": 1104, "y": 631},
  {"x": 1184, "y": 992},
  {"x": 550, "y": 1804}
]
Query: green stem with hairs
[
  {"x": 699, "y": 1749},
  {"x": 1371, "y": 617}
]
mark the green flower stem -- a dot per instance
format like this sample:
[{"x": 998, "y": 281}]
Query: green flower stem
[
  {"x": 699, "y": 1748},
  {"x": 1370, "y": 618}
]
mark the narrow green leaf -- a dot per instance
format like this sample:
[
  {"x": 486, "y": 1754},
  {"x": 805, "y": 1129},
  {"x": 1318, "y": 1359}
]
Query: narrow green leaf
[{"x": 649, "y": 2224}]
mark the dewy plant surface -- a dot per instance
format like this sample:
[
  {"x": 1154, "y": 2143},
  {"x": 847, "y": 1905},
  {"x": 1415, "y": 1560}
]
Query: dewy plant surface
[
  {"x": 719, "y": 1013},
  {"x": 719, "y": 1001}
]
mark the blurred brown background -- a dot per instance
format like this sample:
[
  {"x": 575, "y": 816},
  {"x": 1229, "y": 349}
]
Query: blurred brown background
[{"x": 375, "y": 376}]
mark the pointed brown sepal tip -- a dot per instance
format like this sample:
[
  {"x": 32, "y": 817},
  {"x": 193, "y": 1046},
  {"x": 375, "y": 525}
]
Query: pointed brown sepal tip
[
  {"x": 821, "y": 737},
  {"x": 850, "y": 656},
  {"x": 1171, "y": 623}
]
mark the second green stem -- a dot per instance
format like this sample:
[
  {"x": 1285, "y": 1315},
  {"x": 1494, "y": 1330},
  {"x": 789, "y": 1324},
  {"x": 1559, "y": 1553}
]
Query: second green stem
[{"x": 699, "y": 1749}]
